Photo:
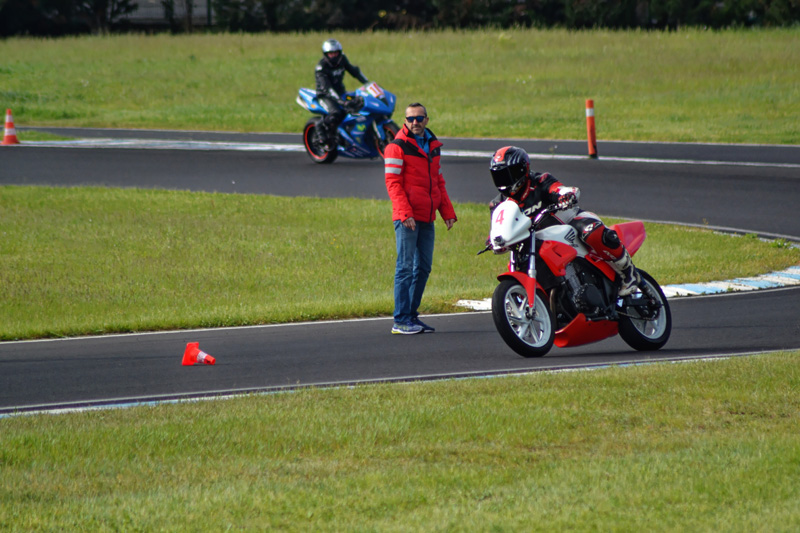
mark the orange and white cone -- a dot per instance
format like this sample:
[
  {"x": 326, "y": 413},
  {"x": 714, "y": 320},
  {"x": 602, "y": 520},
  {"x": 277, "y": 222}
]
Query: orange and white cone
[
  {"x": 10, "y": 136},
  {"x": 193, "y": 354}
]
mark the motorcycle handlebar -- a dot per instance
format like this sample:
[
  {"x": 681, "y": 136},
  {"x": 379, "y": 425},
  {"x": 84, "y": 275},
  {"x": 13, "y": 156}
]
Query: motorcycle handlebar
[{"x": 544, "y": 212}]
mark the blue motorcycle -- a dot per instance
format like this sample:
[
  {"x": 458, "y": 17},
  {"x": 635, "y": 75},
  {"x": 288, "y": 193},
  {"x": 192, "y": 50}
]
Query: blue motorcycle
[{"x": 365, "y": 131}]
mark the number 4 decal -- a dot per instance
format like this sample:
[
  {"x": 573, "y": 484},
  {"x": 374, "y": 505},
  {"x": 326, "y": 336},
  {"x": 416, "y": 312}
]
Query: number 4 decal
[{"x": 500, "y": 217}]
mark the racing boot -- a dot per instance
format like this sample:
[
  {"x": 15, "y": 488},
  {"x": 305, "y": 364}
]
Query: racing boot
[
  {"x": 629, "y": 276},
  {"x": 332, "y": 141},
  {"x": 321, "y": 136}
]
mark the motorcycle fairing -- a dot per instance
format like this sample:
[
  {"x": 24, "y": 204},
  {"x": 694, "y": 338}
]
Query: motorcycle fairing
[
  {"x": 509, "y": 225},
  {"x": 376, "y": 99},
  {"x": 352, "y": 131},
  {"x": 557, "y": 256},
  {"x": 602, "y": 266},
  {"x": 383, "y": 104},
  {"x": 632, "y": 234},
  {"x": 307, "y": 99},
  {"x": 566, "y": 238},
  {"x": 581, "y": 331}
]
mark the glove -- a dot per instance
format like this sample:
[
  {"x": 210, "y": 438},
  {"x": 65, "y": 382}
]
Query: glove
[
  {"x": 354, "y": 105},
  {"x": 566, "y": 200}
]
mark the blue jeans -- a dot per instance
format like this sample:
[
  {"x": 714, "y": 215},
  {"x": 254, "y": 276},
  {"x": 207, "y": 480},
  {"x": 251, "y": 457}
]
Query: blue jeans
[{"x": 414, "y": 260}]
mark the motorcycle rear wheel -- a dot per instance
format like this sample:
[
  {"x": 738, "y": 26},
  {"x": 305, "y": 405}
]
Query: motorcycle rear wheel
[
  {"x": 313, "y": 149},
  {"x": 643, "y": 325},
  {"x": 390, "y": 130},
  {"x": 529, "y": 331}
]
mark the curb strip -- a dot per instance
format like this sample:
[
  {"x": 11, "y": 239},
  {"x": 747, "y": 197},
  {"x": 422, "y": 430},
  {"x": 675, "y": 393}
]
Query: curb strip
[{"x": 781, "y": 278}]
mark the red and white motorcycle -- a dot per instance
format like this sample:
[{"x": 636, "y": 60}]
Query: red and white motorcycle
[{"x": 556, "y": 290}]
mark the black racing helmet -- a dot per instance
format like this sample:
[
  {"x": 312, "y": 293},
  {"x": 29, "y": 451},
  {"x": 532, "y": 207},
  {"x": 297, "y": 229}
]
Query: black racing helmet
[{"x": 510, "y": 168}]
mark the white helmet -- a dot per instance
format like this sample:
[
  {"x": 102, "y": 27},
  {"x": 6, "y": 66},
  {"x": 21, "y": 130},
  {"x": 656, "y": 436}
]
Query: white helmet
[{"x": 331, "y": 45}]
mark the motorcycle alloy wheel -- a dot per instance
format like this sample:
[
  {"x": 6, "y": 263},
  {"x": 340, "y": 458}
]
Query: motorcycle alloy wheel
[
  {"x": 645, "y": 321},
  {"x": 313, "y": 149},
  {"x": 529, "y": 331}
]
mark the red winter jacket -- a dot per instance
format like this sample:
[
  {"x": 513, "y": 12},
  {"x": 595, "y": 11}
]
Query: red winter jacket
[{"x": 414, "y": 180}]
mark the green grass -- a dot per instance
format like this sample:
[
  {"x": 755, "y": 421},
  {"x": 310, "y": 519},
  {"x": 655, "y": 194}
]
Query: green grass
[
  {"x": 33, "y": 135},
  {"x": 702, "y": 446},
  {"x": 91, "y": 260},
  {"x": 740, "y": 86},
  {"x": 689, "y": 447}
]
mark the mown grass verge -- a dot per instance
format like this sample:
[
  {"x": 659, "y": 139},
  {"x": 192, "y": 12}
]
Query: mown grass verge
[
  {"x": 702, "y": 446},
  {"x": 697, "y": 447},
  {"x": 77, "y": 261},
  {"x": 739, "y": 86}
]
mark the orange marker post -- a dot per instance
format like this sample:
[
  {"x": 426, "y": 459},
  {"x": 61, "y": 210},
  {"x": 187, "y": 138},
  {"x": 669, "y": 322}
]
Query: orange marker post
[{"x": 590, "y": 129}]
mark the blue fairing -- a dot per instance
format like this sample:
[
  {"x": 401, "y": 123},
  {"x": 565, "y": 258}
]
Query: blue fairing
[
  {"x": 383, "y": 106},
  {"x": 355, "y": 129}
]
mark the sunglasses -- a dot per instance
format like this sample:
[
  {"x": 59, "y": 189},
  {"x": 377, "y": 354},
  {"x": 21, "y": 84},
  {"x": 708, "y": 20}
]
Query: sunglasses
[{"x": 418, "y": 118}]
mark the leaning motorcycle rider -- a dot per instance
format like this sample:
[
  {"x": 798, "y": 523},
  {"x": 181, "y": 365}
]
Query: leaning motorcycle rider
[
  {"x": 510, "y": 169},
  {"x": 329, "y": 74}
]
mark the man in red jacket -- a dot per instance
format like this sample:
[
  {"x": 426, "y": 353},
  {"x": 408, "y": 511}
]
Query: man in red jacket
[{"x": 417, "y": 190}]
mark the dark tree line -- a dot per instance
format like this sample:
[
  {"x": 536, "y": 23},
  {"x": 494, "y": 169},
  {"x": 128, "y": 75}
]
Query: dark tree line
[
  {"x": 281, "y": 15},
  {"x": 59, "y": 17}
]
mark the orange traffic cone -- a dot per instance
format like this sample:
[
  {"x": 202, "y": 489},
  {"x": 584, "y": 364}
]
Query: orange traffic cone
[
  {"x": 10, "y": 136},
  {"x": 193, "y": 354}
]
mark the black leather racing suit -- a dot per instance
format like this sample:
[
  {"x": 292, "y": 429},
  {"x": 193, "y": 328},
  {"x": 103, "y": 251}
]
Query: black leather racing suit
[{"x": 330, "y": 91}]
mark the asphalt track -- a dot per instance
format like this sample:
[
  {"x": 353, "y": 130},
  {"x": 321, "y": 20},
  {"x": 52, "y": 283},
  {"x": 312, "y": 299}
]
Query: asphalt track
[{"x": 744, "y": 188}]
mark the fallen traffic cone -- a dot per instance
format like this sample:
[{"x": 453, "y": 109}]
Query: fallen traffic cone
[
  {"x": 193, "y": 354},
  {"x": 10, "y": 136}
]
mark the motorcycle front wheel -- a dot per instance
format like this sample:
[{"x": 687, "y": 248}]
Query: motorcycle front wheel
[
  {"x": 645, "y": 321},
  {"x": 390, "y": 131},
  {"x": 529, "y": 331},
  {"x": 313, "y": 149}
]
